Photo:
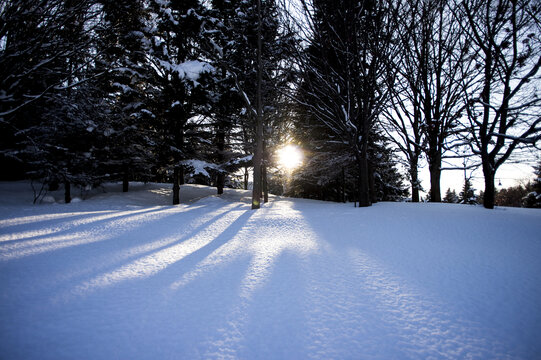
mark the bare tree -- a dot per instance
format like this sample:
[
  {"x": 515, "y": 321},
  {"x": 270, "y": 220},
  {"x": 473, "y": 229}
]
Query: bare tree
[
  {"x": 427, "y": 97},
  {"x": 503, "y": 107},
  {"x": 403, "y": 119}
]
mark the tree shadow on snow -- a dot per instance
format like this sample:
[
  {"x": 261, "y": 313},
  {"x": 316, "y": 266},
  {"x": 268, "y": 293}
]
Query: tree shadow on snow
[{"x": 165, "y": 256}]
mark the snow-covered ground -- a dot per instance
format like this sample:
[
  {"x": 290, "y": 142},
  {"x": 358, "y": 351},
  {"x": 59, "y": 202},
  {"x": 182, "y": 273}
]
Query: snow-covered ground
[{"x": 127, "y": 276}]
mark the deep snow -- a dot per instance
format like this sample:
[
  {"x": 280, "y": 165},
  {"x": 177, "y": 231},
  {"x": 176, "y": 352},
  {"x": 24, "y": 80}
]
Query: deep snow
[{"x": 127, "y": 276}]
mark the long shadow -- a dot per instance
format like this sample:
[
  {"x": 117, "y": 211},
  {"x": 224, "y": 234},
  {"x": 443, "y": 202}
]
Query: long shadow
[
  {"x": 191, "y": 261},
  {"x": 93, "y": 235},
  {"x": 64, "y": 227},
  {"x": 56, "y": 275},
  {"x": 166, "y": 242},
  {"x": 90, "y": 232},
  {"x": 253, "y": 291},
  {"x": 287, "y": 285},
  {"x": 48, "y": 217}
]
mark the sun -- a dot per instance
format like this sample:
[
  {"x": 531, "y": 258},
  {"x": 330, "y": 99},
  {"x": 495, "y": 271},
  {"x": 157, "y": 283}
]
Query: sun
[{"x": 289, "y": 157}]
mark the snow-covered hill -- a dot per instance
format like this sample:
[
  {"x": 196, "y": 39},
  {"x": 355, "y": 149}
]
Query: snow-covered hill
[{"x": 127, "y": 276}]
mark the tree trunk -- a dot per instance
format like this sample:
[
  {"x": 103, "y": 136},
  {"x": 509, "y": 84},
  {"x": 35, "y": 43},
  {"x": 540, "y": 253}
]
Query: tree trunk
[
  {"x": 490, "y": 190},
  {"x": 415, "y": 188},
  {"x": 125, "y": 181},
  {"x": 220, "y": 182},
  {"x": 488, "y": 166},
  {"x": 220, "y": 142},
  {"x": 246, "y": 175},
  {"x": 176, "y": 186},
  {"x": 264, "y": 178},
  {"x": 256, "y": 191},
  {"x": 414, "y": 173},
  {"x": 158, "y": 177},
  {"x": 363, "y": 182},
  {"x": 258, "y": 156},
  {"x": 435, "y": 176},
  {"x": 435, "y": 191},
  {"x": 265, "y": 183},
  {"x": 67, "y": 192}
]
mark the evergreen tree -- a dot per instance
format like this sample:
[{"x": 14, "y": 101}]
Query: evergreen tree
[
  {"x": 123, "y": 39},
  {"x": 227, "y": 33},
  {"x": 47, "y": 102},
  {"x": 329, "y": 170},
  {"x": 533, "y": 198},
  {"x": 513, "y": 196},
  {"x": 537, "y": 179},
  {"x": 450, "y": 197},
  {"x": 177, "y": 88},
  {"x": 467, "y": 195},
  {"x": 232, "y": 42},
  {"x": 344, "y": 74},
  {"x": 388, "y": 182}
]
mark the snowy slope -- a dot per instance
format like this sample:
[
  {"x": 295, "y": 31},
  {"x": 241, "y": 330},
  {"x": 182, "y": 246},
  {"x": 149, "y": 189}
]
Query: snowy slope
[{"x": 127, "y": 276}]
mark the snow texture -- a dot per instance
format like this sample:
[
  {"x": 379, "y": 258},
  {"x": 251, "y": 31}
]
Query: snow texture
[
  {"x": 199, "y": 167},
  {"x": 191, "y": 69},
  {"x": 127, "y": 276}
]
